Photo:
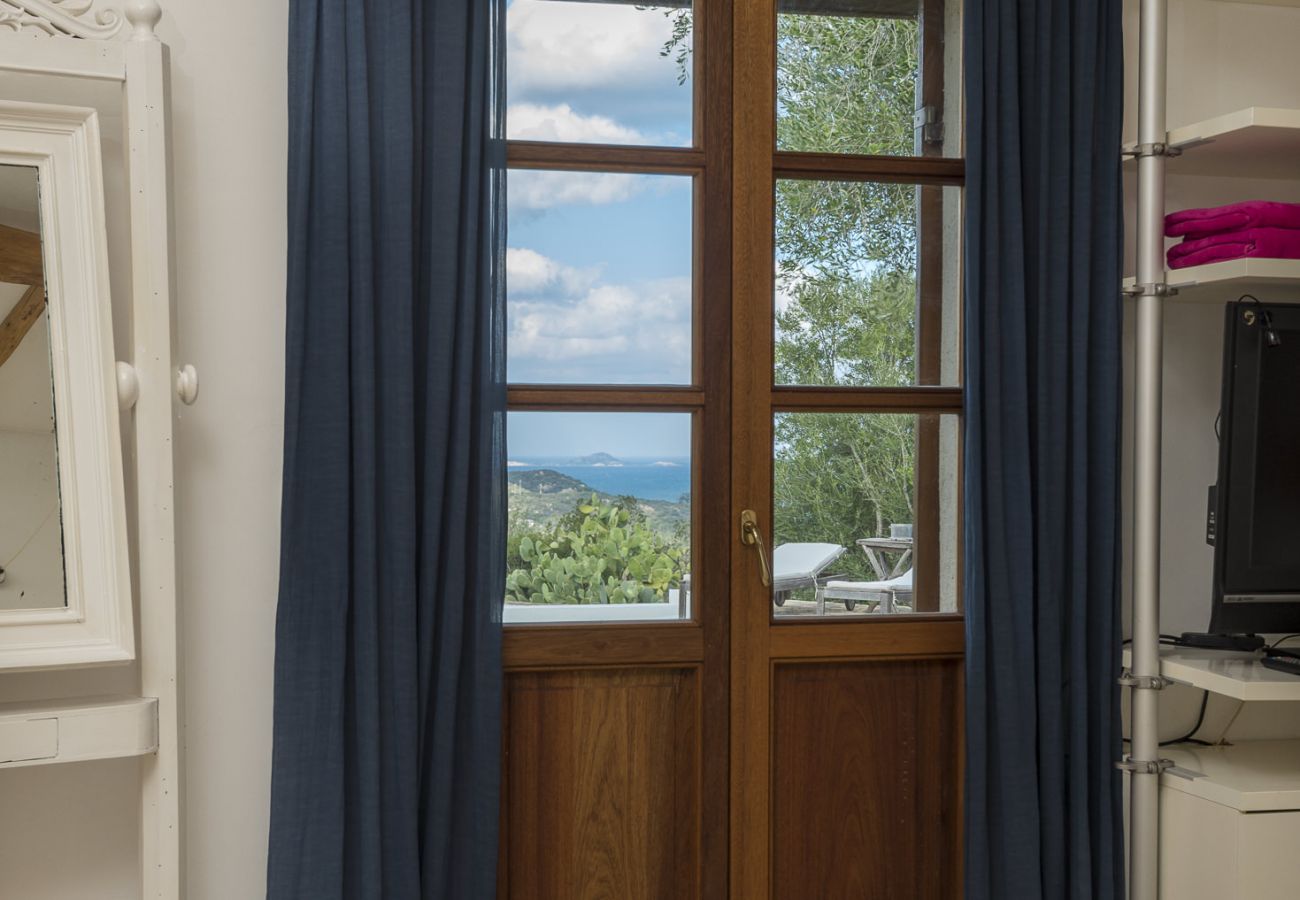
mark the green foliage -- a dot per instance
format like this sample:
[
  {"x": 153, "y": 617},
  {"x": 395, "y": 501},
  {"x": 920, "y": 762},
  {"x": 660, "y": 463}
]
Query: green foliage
[
  {"x": 678, "y": 45},
  {"x": 846, "y": 270},
  {"x": 839, "y": 477},
  {"x": 600, "y": 552},
  {"x": 845, "y": 330},
  {"x": 845, "y": 227},
  {"x": 846, "y": 84}
]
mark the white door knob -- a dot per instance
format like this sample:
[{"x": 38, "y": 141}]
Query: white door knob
[{"x": 187, "y": 384}]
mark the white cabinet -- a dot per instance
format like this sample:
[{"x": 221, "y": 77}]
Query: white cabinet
[
  {"x": 1230, "y": 815},
  {"x": 1213, "y": 852}
]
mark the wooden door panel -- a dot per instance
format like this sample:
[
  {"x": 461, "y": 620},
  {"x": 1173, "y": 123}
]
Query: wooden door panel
[
  {"x": 866, "y": 770},
  {"x": 602, "y": 785}
]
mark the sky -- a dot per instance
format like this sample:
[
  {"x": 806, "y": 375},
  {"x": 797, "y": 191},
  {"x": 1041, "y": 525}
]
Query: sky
[
  {"x": 572, "y": 435},
  {"x": 598, "y": 265},
  {"x": 581, "y": 71}
]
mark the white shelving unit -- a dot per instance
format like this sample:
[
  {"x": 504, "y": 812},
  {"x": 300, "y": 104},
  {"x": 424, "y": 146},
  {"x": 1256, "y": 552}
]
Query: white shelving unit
[
  {"x": 1235, "y": 675},
  {"x": 1223, "y": 281},
  {"x": 1224, "y": 821},
  {"x": 1247, "y": 776},
  {"x": 1229, "y": 813},
  {"x": 1250, "y": 777},
  {"x": 1266, "y": 138},
  {"x": 1259, "y": 142},
  {"x": 1256, "y": 142},
  {"x": 1267, "y": 2}
]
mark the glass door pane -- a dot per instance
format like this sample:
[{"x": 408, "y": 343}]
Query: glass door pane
[
  {"x": 867, "y": 283},
  {"x": 599, "y": 524},
  {"x": 580, "y": 71},
  {"x": 599, "y": 278},
  {"x": 867, "y": 77},
  {"x": 864, "y": 514}
]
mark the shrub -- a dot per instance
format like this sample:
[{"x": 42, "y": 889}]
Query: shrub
[{"x": 601, "y": 552}]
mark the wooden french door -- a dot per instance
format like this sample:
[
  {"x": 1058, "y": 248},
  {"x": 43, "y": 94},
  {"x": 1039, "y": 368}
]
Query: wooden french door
[
  {"x": 745, "y": 749},
  {"x": 846, "y": 732}
]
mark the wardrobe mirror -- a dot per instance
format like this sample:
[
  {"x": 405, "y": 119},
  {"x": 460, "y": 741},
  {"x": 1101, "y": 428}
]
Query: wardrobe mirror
[
  {"x": 65, "y": 597},
  {"x": 31, "y": 534}
]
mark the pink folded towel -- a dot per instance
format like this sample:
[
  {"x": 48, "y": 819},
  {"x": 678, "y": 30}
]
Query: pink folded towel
[
  {"x": 1266, "y": 243},
  {"x": 1194, "y": 223}
]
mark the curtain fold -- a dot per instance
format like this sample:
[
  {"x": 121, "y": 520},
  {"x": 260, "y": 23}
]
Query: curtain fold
[
  {"x": 386, "y": 753},
  {"x": 1044, "y": 106}
]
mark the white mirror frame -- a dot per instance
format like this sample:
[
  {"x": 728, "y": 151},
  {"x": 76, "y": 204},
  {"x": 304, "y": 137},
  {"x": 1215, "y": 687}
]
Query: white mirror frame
[{"x": 96, "y": 624}]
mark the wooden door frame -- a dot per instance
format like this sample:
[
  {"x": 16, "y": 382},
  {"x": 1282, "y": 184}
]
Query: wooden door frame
[{"x": 753, "y": 202}]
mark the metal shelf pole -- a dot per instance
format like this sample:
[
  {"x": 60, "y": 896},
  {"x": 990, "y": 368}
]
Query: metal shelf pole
[{"x": 1145, "y": 765}]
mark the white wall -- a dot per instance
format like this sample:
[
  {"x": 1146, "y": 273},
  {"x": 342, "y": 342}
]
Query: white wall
[
  {"x": 229, "y": 124},
  {"x": 69, "y": 832}
]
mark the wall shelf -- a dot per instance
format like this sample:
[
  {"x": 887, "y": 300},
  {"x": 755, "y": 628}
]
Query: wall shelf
[
  {"x": 56, "y": 731},
  {"x": 1223, "y": 281},
  {"x": 1236, "y": 675},
  {"x": 1252, "y": 776},
  {"x": 1266, "y": 2},
  {"x": 1256, "y": 142}
]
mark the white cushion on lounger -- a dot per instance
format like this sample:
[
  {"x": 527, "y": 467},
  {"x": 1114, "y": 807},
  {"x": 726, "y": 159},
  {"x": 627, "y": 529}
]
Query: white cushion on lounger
[
  {"x": 899, "y": 585},
  {"x": 803, "y": 562}
]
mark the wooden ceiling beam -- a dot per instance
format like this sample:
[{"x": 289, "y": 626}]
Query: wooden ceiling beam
[
  {"x": 20, "y": 256},
  {"x": 20, "y": 321}
]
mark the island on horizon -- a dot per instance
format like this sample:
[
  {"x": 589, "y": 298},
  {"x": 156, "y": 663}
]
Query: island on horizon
[{"x": 597, "y": 459}]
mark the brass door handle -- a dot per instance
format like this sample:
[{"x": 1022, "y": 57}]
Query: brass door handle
[{"x": 750, "y": 534}]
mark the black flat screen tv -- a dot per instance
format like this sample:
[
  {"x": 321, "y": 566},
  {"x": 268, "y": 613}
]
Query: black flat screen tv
[{"x": 1257, "y": 503}]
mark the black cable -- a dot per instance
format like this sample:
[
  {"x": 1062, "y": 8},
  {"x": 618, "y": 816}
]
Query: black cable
[
  {"x": 1285, "y": 637},
  {"x": 1190, "y": 737},
  {"x": 1271, "y": 337}
]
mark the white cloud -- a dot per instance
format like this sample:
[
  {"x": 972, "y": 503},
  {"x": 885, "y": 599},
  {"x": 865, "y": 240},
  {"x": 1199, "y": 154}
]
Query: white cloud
[
  {"x": 529, "y": 272},
  {"x": 537, "y": 122},
  {"x": 567, "y": 325},
  {"x": 563, "y": 46},
  {"x": 532, "y": 190}
]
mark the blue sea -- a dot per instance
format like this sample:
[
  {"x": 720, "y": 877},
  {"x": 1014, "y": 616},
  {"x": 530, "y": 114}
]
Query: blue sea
[{"x": 649, "y": 478}]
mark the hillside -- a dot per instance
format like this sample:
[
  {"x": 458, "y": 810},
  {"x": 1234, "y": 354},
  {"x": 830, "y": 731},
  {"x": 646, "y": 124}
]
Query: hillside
[
  {"x": 539, "y": 496},
  {"x": 546, "y": 481}
]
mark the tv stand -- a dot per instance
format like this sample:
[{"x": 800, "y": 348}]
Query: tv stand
[{"x": 1230, "y": 813}]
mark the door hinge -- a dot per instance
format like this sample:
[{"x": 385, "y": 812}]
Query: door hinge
[{"x": 928, "y": 124}]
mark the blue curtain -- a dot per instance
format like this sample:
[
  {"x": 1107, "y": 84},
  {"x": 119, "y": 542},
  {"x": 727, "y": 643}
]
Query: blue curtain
[
  {"x": 1044, "y": 106},
  {"x": 388, "y": 671}
]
